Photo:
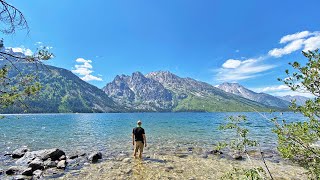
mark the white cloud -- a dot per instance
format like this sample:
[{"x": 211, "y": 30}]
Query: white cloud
[
  {"x": 38, "y": 43},
  {"x": 231, "y": 63},
  {"x": 312, "y": 43},
  {"x": 90, "y": 77},
  {"x": 292, "y": 37},
  {"x": 305, "y": 39},
  {"x": 23, "y": 50},
  {"x": 234, "y": 70},
  {"x": 85, "y": 70},
  {"x": 293, "y": 46},
  {"x": 280, "y": 90},
  {"x": 271, "y": 88}
]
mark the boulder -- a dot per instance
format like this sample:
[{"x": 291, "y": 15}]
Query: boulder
[
  {"x": 62, "y": 164},
  {"x": 14, "y": 170},
  {"x": 94, "y": 157},
  {"x": 63, "y": 157},
  {"x": 38, "y": 174},
  {"x": 36, "y": 164},
  {"x": 18, "y": 153},
  {"x": 49, "y": 164},
  {"x": 26, "y": 159},
  {"x": 27, "y": 172},
  {"x": 54, "y": 154}
]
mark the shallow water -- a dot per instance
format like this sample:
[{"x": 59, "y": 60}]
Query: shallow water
[{"x": 111, "y": 133}]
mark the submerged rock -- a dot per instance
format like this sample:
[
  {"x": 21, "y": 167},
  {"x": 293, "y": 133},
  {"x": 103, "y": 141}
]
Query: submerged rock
[
  {"x": 94, "y": 157},
  {"x": 126, "y": 160},
  {"x": 48, "y": 163},
  {"x": 168, "y": 168},
  {"x": 14, "y": 170},
  {"x": 36, "y": 164},
  {"x": 21, "y": 177},
  {"x": 27, "y": 172},
  {"x": 237, "y": 156},
  {"x": 18, "y": 153},
  {"x": 38, "y": 174},
  {"x": 215, "y": 151},
  {"x": 74, "y": 156},
  {"x": 181, "y": 155}
]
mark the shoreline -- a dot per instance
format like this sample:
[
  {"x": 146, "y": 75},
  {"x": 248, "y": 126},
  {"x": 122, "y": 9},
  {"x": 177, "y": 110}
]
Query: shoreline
[
  {"x": 184, "y": 163},
  {"x": 177, "y": 167}
]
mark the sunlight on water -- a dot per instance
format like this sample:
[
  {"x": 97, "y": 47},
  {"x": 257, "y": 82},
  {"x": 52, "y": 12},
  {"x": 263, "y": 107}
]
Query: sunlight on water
[{"x": 167, "y": 133}]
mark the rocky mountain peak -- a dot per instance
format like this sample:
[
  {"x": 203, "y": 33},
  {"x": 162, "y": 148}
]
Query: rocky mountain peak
[
  {"x": 139, "y": 92},
  {"x": 263, "y": 98},
  {"x": 164, "y": 77}
]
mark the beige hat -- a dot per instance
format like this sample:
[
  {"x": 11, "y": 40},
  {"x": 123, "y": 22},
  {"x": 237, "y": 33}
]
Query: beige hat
[{"x": 139, "y": 122}]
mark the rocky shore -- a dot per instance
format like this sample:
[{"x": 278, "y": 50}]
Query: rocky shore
[
  {"x": 179, "y": 166},
  {"x": 45, "y": 164},
  {"x": 184, "y": 163}
]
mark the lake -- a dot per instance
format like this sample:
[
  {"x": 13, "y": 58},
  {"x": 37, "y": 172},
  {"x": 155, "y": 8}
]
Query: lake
[{"x": 111, "y": 132}]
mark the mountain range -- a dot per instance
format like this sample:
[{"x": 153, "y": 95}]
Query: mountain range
[
  {"x": 262, "y": 98},
  {"x": 165, "y": 91},
  {"x": 160, "y": 91},
  {"x": 61, "y": 92}
]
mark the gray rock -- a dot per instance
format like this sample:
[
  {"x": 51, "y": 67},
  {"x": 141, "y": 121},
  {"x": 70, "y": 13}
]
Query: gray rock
[
  {"x": 63, "y": 157},
  {"x": 18, "y": 153},
  {"x": 7, "y": 154},
  {"x": 21, "y": 177},
  {"x": 121, "y": 156},
  {"x": 181, "y": 155},
  {"x": 127, "y": 171},
  {"x": 168, "y": 168},
  {"x": 179, "y": 171},
  {"x": 14, "y": 170},
  {"x": 126, "y": 160},
  {"x": 204, "y": 156},
  {"x": 27, "y": 172},
  {"x": 49, "y": 164},
  {"x": 62, "y": 164},
  {"x": 74, "y": 156},
  {"x": 237, "y": 156},
  {"x": 215, "y": 151},
  {"x": 36, "y": 164},
  {"x": 38, "y": 174},
  {"x": 1, "y": 171},
  {"x": 54, "y": 154},
  {"x": 94, "y": 157}
]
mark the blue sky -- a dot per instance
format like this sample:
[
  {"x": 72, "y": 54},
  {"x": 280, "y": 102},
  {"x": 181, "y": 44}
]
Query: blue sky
[{"x": 211, "y": 41}]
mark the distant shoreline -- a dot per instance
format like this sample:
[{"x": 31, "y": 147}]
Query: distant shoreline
[{"x": 145, "y": 112}]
